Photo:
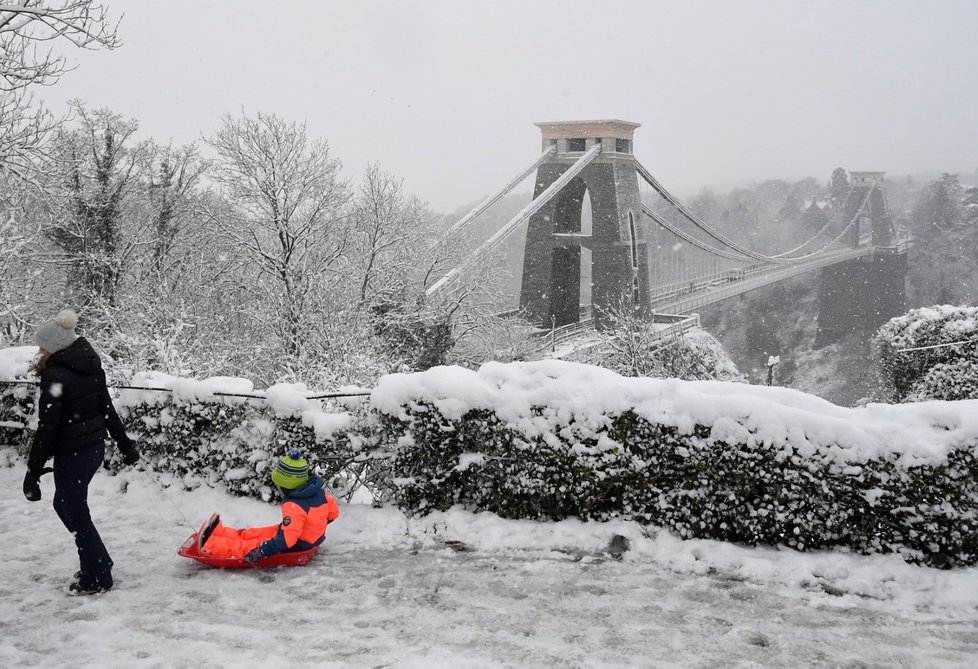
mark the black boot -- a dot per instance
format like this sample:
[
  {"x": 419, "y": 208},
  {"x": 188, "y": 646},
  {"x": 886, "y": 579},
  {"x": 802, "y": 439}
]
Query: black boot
[{"x": 76, "y": 589}]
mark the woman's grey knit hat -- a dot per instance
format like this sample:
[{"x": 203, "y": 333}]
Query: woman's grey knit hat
[{"x": 58, "y": 333}]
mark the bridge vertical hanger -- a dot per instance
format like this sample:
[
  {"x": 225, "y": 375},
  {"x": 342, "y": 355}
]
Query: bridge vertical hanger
[{"x": 551, "y": 289}]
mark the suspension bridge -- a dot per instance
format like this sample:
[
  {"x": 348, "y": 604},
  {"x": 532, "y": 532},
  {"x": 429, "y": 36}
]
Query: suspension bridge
[{"x": 672, "y": 264}]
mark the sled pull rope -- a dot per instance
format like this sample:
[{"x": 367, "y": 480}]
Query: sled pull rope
[
  {"x": 143, "y": 476},
  {"x": 144, "y": 487}
]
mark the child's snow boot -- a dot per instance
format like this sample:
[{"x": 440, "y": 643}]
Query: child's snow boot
[{"x": 206, "y": 530}]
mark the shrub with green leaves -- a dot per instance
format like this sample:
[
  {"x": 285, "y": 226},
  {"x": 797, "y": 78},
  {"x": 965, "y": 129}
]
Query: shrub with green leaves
[
  {"x": 16, "y": 394},
  {"x": 234, "y": 441},
  {"x": 703, "y": 459},
  {"x": 198, "y": 437},
  {"x": 16, "y": 407},
  {"x": 928, "y": 354}
]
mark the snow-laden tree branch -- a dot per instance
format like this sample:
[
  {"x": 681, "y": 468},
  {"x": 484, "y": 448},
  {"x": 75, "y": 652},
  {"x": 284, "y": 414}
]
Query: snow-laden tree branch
[
  {"x": 394, "y": 237},
  {"x": 290, "y": 210},
  {"x": 25, "y": 133},
  {"x": 27, "y": 26},
  {"x": 30, "y": 30}
]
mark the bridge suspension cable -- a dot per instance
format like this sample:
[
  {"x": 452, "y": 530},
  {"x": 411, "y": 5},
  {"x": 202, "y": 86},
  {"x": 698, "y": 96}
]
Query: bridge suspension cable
[
  {"x": 517, "y": 220},
  {"x": 689, "y": 238},
  {"x": 494, "y": 198},
  {"x": 832, "y": 219},
  {"x": 695, "y": 220},
  {"x": 716, "y": 234},
  {"x": 855, "y": 217}
]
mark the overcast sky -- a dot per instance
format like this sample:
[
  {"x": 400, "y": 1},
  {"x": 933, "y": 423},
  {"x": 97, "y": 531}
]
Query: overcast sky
[{"x": 445, "y": 94}]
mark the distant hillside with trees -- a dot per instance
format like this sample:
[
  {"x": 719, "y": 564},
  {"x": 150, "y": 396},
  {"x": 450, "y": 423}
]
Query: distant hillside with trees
[{"x": 781, "y": 319}]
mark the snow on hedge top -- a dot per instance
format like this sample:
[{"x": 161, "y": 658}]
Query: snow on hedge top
[
  {"x": 15, "y": 363},
  {"x": 931, "y": 325},
  {"x": 291, "y": 399},
  {"x": 157, "y": 388},
  {"x": 181, "y": 390},
  {"x": 736, "y": 413},
  {"x": 285, "y": 399}
]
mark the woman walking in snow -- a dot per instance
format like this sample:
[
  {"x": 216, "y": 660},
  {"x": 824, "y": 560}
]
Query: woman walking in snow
[{"x": 75, "y": 415}]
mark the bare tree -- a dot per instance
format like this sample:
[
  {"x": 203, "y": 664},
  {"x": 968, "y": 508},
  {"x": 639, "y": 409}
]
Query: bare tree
[
  {"x": 25, "y": 132},
  {"x": 402, "y": 248},
  {"x": 290, "y": 216},
  {"x": 474, "y": 300},
  {"x": 393, "y": 233},
  {"x": 27, "y": 27},
  {"x": 174, "y": 175},
  {"x": 17, "y": 239}
]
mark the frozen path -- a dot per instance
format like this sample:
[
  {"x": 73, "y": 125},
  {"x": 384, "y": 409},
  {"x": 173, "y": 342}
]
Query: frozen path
[{"x": 388, "y": 593}]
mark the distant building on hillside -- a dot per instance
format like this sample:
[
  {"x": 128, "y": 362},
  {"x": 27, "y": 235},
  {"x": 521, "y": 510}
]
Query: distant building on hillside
[{"x": 816, "y": 212}]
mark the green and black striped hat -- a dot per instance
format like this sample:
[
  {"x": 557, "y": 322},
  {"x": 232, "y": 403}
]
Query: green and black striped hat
[{"x": 291, "y": 471}]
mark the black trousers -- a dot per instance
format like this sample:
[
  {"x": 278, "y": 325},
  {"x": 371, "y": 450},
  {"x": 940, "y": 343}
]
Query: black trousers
[{"x": 72, "y": 474}]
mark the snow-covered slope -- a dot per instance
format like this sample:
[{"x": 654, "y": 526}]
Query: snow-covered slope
[{"x": 386, "y": 591}]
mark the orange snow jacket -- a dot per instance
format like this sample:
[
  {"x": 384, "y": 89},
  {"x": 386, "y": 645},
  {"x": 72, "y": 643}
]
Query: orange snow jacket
[{"x": 306, "y": 512}]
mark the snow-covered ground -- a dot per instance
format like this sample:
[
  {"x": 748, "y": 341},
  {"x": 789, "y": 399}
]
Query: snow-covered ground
[{"x": 389, "y": 592}]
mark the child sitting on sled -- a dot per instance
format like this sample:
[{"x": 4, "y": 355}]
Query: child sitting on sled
[{"x": 306, "y": 511}]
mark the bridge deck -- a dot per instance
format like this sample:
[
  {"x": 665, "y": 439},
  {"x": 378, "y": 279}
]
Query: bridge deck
[
  {"x": 708, "y": 291},
  {"x": 569, "y": 341},
  {"x": 683, "y": 299}
]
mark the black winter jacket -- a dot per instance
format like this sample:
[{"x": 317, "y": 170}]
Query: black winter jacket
[{"x": 74, "y": 410}]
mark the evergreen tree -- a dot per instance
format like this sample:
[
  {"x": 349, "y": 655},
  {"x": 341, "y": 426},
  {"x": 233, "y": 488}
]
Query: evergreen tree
[
  {"x": 941, "y": 265},
  {"x": 940, "y": 207},
  {"x": 100, "y": 167},
  {"x": 706, "y": 206},
  {"x": 177, "y": 172},
  {"x": 790, "y": 208},
  {"x": 838, "y": 187}
]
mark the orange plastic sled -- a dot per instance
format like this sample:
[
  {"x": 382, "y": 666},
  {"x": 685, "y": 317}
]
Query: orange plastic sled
[{"x": 291, "y": 559}]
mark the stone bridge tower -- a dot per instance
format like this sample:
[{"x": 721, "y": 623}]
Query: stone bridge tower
[
  {"x": 876, "y": 219},
  {"x": 557, "y": 242},
  {"x": 860, "y": 295}
]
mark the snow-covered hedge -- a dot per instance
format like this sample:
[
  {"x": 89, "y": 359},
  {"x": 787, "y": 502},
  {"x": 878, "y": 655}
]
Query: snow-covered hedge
[
  {"x": 16, "y": 399},
  {"x": 194, "y": 432},
  {"x": 938, "y": 366},
  {"x": 552, "y": 439},
  {"x": 188, "y": 429},
  {"x": 715, "y": 460}
]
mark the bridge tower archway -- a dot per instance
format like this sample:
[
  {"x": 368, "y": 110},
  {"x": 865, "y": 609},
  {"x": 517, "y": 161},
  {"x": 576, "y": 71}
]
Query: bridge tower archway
[
  {"x": 557, "y": 239},
  {"x": 877, "y": 218}
]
